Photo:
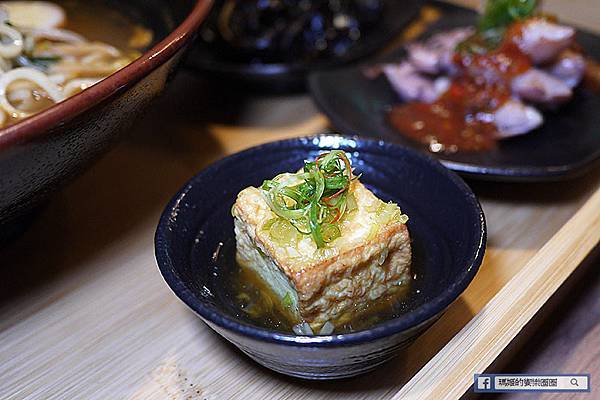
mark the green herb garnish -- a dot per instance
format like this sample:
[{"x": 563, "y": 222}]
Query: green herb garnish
[
  {"x": 502, "y": 13},
  {"x": 287, "y": 301},
  {"x": 44, "y": 61},
  {"x": 496, "y": 17},
  {"x": 315, "y": 200},
  {"x": 41, "y": 63}
]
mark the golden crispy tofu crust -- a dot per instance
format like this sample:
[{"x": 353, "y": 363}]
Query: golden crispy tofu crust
[{"x": 364, "y": 264}]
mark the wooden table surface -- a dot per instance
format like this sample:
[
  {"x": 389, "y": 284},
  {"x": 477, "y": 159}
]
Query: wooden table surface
[{"x": 85, "y": 314}]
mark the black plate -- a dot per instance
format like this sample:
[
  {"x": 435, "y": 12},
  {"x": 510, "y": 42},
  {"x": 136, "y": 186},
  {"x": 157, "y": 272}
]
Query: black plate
[
  {"x": 566, "y": 145},
  {"x": 285, "y": 76}
]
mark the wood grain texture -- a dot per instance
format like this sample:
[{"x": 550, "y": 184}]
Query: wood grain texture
[
  {"x": 474, "y": 348},
  {"x": 85, "y": 314},
  {"x": 562, "y": 337}
]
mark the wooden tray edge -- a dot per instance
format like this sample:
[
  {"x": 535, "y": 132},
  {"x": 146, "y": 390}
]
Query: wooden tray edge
[{"x": 449, "y": 374}]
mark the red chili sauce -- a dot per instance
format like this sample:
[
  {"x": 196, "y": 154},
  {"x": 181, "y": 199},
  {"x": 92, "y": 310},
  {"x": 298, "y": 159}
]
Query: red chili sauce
[{"x": 461, "y": 118}]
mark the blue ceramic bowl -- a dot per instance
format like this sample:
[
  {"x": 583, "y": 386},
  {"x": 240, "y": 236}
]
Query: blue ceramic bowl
[{"x": 446, "y": 224}]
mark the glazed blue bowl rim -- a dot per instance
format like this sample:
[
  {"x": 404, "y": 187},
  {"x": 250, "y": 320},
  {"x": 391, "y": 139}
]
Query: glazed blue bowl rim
[{"x": 414, "y": 318}]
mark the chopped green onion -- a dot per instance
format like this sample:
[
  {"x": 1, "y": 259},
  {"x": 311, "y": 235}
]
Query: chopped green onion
[
  {"x": 315, "y": 227},
  {"x": 302, "y": 225},
  {"x": 36, "y": 62},
  {"x": 315, "y": 200},
  {"x": 330, "y": 232},
  {"x": 502, "y": 13},
  {"x": 282, "y": 231},
  {"x": 287, "y": 301},
  {"x": 267, "y": 225},
  {"x": 496, "y": 17},
  {"x": 385, "y": 214}
]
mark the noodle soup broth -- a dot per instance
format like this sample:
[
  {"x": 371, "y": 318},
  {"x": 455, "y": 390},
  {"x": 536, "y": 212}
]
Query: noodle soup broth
[{"x": 53, "y": 50}]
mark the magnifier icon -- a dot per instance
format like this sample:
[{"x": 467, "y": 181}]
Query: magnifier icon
[{"x": 574, "y": 382}]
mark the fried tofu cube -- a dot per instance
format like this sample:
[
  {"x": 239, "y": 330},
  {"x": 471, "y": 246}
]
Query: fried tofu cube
[{"x": 369, "y": 260}]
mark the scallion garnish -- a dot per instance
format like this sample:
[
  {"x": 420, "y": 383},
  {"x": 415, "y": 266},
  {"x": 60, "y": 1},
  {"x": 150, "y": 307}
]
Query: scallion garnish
[
  {"x": 497, "y": 16},
  {"x": 501, "y": 13},
  {"x": 287, "y": 301},
  {"x": 316, "y": 199}
]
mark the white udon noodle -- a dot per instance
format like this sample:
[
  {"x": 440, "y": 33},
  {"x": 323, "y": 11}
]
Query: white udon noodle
[{"x": 73, "y": 64}]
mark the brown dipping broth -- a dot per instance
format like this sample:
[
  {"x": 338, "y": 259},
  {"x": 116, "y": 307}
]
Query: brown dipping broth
[
  {"x": 253, "y": 302},
  {"x": 258, "y": 302}
]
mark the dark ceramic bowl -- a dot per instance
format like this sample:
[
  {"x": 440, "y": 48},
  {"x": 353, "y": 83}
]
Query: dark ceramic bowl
[
  {"x": 41, "y": 153},
  {"x": 290, "y": 76},
  {"x": 446, "y": 224}
]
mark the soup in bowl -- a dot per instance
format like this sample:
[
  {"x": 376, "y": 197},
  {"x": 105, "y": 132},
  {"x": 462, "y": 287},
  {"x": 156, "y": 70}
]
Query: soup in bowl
[
  {"x": 47, "y": 55},
  {"x": 73, "y": 75}
]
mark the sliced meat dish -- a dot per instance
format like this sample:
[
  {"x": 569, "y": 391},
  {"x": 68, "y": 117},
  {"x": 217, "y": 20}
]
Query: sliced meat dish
[
  {"x": 434, "y": 56},
  {"x": 466, "y": 88},
  {"x": 569, "y": 68},
  {"x": 543, "y": 41},
  {"x": 412, "y": 86},
  {"x": 515, "y": 118},
  {"x": 540, "y": 87}
]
